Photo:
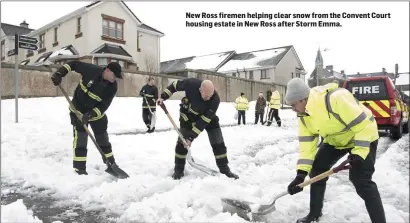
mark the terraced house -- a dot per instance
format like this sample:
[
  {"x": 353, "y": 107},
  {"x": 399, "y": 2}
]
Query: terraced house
[{"x": 121, "y": 37}]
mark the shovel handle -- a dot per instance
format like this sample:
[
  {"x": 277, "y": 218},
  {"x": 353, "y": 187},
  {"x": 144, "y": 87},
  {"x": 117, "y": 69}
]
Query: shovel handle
[
  {"x": 162, "y": 105},
  {"x": 342, "y": 166}
]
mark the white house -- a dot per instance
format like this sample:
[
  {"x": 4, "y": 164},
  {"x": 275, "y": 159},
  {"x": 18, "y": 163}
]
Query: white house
[
  {"x": 7, "y": 39},
  {"x": 100, "y": 32},
  {"x": 277, "y": 65}
]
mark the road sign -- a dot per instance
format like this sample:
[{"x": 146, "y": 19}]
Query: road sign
[
  {"x": 12, "y": 52},
  {"x": 28, "y": 46},
  {"x": 27, "y": 39}
]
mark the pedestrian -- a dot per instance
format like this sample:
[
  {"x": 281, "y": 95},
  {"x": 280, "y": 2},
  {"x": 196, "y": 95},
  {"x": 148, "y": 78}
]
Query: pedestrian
[
  {"x": 197, "y": 113},
  {"x": 347, "y": 126},
  {"x": 149, "y": 93},
  {"x": 92, "y": 97},
  {"x": 260, "y": 108},
  {"x": 274, "y": 105},
  {"x": 241, "y": 105}
]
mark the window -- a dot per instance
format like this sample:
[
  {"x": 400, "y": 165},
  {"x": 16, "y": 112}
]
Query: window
[
  {"x": 79, "y": 25},
  {"x": 3, "y": 50},
  {"x": 42, "y": 41},
  {"x": 264, "y": 74},
  {"x": 233, "y": 74},
  {"x": 113, "y": 29},
  {"x": 251, "y": 74},
  {"x": 56, "y": 34},
  {"x": 102, "y": 61}
]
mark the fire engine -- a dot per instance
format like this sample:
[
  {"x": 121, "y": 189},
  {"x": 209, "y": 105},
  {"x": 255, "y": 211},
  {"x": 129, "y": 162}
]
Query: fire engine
[{"x": 380, "y": 95}]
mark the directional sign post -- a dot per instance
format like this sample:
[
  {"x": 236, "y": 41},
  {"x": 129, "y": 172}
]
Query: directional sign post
[{"x": 23, "y": 42}]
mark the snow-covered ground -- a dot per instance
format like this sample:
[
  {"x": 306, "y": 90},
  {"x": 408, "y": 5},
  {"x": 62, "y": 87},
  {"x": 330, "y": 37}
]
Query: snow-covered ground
[{"x": 37, "y": 153}]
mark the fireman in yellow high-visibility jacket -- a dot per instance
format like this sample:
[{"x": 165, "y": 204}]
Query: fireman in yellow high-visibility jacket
[
  {"x": 346, "y": 126},
  {"x": 274, "y": 105},
  {"x": 241, "y": 105}
]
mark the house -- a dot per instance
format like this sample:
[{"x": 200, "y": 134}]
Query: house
[
  {"x": 100, "y": 32},
  {"x": 7, "y": 39},
  {"x": 276, "y": 65},
  {"x": 321, "y": 76},
  {"x": 210, "y": 62}
]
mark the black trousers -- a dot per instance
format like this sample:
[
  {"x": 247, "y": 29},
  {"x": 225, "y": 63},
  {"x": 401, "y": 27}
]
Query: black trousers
[
  {"x": 215, "y": 139},
  {"x": 147, "y": 116},
  {"x": 259, "y": 115},
  {"x": 274, "y": 113},
  {"x": 361, "y": 178},
  {"x": 80, "y": 141},
  {"x": 241, "y": 114}
]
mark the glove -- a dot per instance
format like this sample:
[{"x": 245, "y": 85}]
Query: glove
[
  {"x": 142, "y": 93},
  {"x": 355, "y": 160},
  {"x": 300, "y": 178},
  {"x": 56, "y": 78}
]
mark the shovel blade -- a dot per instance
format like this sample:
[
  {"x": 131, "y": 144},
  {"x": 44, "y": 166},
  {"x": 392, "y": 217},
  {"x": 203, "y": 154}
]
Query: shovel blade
[
  {"x": 243, "y": 209},
  {"x": 118, "y": 171}
]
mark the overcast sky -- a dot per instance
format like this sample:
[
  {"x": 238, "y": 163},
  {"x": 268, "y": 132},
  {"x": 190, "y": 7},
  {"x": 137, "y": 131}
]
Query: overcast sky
[{"x": 361, "y": 45}]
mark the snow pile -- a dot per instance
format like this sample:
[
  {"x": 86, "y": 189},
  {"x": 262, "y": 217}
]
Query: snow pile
[
  {"x": 38, "y": 150},
  {"x": 17, "y": 212},
  {"x": 258, "y": 56}
]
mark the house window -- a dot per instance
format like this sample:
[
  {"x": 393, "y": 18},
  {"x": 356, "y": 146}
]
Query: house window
[
  {"x": 251, "y": 74},
  {"x": 264, "y": 74},
  {"x": 42, "y": 41},
  {"x": 3, "y": 50},
  {"x": 79, "y": 25},
  {"x": 56, "y": 34},
  {"x": 102, "y": 61},
  {"x": 113, "y": 29}
]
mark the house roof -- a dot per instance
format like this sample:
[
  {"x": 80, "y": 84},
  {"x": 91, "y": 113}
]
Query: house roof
[
  {"x": 255, "y": 59},
  {"x": 328, "y": 74},
  {"x": 82, "y": 10},
  {"x": 10, "y": 30},
  {"x": 206, "y": 62},
  {"x": 111, "y": 48}
]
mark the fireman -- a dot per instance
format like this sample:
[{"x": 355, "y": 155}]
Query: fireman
[
  {"x": 274, "y": 105},
  {"x": 241, "y": 105},
  {"x": 91, "y": 99},
  {"x": 347, "y": 127},
  {"x": 149, "y": 93},
  {"x": 198, "y": 112}
]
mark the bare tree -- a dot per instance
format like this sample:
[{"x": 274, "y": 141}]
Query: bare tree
[{"x": 151, "y": 64}]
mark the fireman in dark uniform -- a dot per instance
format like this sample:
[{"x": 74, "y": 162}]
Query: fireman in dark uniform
[
  {"x": 91, "y": 99},
  {"x": 198, "y": 112},
  {"x": 150, "y": 93}
]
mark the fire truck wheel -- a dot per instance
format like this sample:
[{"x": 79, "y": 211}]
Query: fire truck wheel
[{"x": 397, "y": 132}]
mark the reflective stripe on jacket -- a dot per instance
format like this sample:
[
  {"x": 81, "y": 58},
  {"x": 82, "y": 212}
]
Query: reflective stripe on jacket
[
  {"x": 339, "y": 118},
  {"x": 275, "y": 100},
  {"x": 241, "y": 103}
]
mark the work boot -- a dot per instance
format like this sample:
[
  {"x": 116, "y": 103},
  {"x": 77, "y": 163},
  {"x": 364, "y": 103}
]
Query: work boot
[
  {"x": 317, "y": 195},
  {"x": 227, "y": 171},
  {"x": 178, "y": 171},
  {"x": 80, "y": 171},
  {"x": 151, "y": 130},
  {"x": 310, "y": 218}
]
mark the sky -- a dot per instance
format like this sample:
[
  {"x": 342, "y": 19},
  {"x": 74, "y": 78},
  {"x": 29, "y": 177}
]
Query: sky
[{"x": 360, "y": 45}]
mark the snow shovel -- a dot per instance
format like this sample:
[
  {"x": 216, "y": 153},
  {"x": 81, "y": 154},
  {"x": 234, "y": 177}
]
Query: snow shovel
[
  {"x": 114, "y": 167},
  {"x": 153, "y": 117},
  {"x": 248, "y": 210},
  {"x": 189, "y": 157}
]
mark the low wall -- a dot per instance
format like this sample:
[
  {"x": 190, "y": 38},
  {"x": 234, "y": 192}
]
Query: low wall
[{"x": 35, "y": 82}]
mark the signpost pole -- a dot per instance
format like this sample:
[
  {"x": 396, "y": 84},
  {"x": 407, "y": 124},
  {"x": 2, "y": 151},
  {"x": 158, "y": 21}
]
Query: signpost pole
[{"x": 16, "y": 73}]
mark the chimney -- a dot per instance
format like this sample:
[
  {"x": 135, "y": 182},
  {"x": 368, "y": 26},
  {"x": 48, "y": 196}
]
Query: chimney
[
  {"x": 343, "y": 71},
  {"x": 24, "y": 24},
  {"x": 384, "y": 70}
]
